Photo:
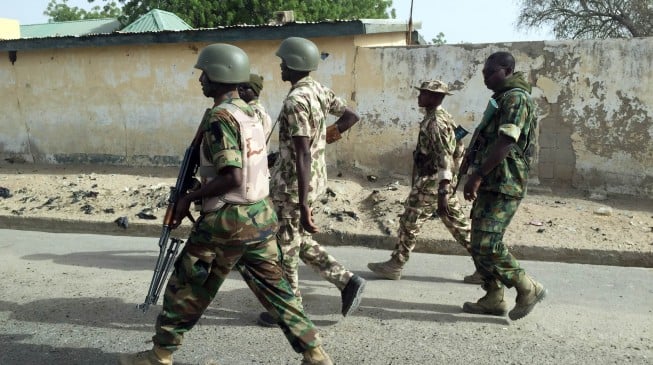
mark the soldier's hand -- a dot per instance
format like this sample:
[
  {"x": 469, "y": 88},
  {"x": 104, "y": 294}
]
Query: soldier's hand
[
  {"x": 332, "y": 134},
  {"x": 306, "y": 219},
  {"x": 181, "y": 211},
  {"x": 471, "y": 186},
  {"x": 443, "y": 205}
]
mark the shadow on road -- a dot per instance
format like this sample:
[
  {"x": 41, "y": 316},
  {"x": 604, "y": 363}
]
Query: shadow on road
[
  {"x": 16, "y": 351},
  {"x": 118, "y": 260},
  {"x": 115, "y": 313},
  {"x": 228, "y": 308}
]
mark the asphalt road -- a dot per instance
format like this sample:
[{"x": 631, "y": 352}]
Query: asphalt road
[{"x": 71, "y": 299}]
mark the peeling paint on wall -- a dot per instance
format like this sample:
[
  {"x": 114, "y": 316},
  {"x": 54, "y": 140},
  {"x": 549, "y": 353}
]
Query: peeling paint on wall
[{"x": 141, "y": 104}]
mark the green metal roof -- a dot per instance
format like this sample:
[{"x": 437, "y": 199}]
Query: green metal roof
[
  {"x": 220, "y": 34},
  {"x": 72, "y": 28},
  {"x": 156, "y": 20}
]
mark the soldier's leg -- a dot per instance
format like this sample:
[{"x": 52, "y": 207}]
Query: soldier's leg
[
  {"x": 289, "y": 241},
  {"x": 196, "y": 278},
  {"x": 417, "y": 208},
  {"x": 457, "y": 223},
  {"x": 351, "y": 286},
  {"x": 460, "y": 228},
  {"x": 262, "y": 272},
  {"x": 317, "y": 258},
  {"x": 491, "y": 215}
]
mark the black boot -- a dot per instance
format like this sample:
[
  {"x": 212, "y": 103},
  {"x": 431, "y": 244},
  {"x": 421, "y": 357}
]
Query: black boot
[{"x": 352, "y": 295}]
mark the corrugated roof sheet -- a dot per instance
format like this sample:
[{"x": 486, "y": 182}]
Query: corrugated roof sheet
[
  {"x": 232, "y": 33},
  {"x": 156, "y": 20},
  {"x": 72, "y": 28}
]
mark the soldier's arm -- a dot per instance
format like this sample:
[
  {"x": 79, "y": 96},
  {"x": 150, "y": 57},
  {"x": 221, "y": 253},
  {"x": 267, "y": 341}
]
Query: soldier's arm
[
  {"x": 303, "y": 166},
  {"x": 347, "y": 117},
  {"x": 297, "y": 114},
  {"x": 225, "y": 150},
  {"x": 512, "y": 119},
  {"x": 347, "y": 120},
  {"x": 444, "y": 145}
]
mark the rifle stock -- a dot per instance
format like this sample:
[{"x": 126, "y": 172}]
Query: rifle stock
[{"x": 169, "y": 247}]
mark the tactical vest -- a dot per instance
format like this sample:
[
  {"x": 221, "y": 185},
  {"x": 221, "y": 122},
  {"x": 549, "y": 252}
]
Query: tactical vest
[{"x": 255, "y": 184}]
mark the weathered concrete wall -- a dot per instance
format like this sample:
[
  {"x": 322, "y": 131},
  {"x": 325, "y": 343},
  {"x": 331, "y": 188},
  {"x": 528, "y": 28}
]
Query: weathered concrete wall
[
  {"x": 136, "y": 105},
  {"x": 595, "y": 100},
  {"x": 141, "y": 104}
]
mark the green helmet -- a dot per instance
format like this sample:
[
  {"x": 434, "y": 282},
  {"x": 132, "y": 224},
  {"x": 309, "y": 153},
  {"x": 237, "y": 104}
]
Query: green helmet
[
  {"x": 300, "y": 54},
  {"x": 224, "y": 63}
]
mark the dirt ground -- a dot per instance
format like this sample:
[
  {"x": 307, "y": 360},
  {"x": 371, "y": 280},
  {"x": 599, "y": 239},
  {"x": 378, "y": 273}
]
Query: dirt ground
[{"x": 354, "y": 204}]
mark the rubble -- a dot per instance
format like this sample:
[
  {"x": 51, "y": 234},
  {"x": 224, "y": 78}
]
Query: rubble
[
  {"x": 122, "y": 222},
  {"x": 5, "y": 193},
  {"x": 353, "y": 205}
]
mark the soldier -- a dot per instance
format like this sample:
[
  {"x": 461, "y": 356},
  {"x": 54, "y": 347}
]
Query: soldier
[
  {"x": 237, "y": 222},
  {"x": 250, "y": 92},
  {"x": 299, "y": 175},
  {"x": 437, "y": 158},
  {"x": 497, "y": 184}
]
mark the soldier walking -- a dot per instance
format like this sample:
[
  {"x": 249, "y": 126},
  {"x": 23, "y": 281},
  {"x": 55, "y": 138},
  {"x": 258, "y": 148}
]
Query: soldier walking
[
  {"x": 237, "y": 224},
  {"x": 436, "y": 160},
  {"x": 497, "y": 184},
  {"x": 299, "y": 176}
]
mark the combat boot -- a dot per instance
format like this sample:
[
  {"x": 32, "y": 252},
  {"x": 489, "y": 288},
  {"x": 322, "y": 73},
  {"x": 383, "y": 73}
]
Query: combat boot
[
  {"x": 316, "y": 356},
  {"x": 529, "y": 293},
  {"x": 475, "y": 278},
  {"x": 492, "y": 303},
  {"x": 265, "y": 319},
  {"x": 390, "y": 269},
  {"x": 352, "y": 294},
  {"x": 155, "y": 356}
]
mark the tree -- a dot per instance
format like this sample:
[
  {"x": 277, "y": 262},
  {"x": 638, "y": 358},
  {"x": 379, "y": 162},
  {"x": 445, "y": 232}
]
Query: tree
[
  {"x": 584, "y": 19},
  {"x": 439, "y": 39},
  {"x": 61, "y": 12},
  {"x": 213, "y": 13}
]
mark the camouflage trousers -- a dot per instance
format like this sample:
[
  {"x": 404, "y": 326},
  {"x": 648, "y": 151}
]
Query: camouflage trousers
[
  {"x": 298, "y": 244},
  {"x": 201, "y": 268},
  {"x": 491, "y": 214},
  {"x": 420, "y": 206}
]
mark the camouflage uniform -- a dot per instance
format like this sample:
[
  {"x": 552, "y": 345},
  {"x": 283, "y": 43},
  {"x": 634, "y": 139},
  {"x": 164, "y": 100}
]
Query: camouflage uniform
[
  {"x": 503, "y": 188},
  {"x": 304, "y": 113},
  {"x": 234, "y": 235},
  {"x": 437, "y": 157}
]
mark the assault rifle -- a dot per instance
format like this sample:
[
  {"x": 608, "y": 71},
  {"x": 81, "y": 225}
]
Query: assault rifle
[
  {"x": 169, "y": 247},
  {"x": 476, "y": 143}
]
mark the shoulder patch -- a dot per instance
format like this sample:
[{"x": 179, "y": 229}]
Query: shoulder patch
[
  {"x": 216, "y": 130},
  {"x": 217, "y": 116}
]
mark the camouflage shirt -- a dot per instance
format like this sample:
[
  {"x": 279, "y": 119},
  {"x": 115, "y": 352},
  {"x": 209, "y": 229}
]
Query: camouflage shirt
[
  {"x": 304, "y": 114},
  {"x": 516, "y": 119},
  {"x": 223, "y": 146},
  {"x": 437, "y": 155}
]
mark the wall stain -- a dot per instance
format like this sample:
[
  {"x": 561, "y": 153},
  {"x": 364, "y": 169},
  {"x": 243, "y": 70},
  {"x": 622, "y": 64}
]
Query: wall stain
[{"x": 626, "y": 130}]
